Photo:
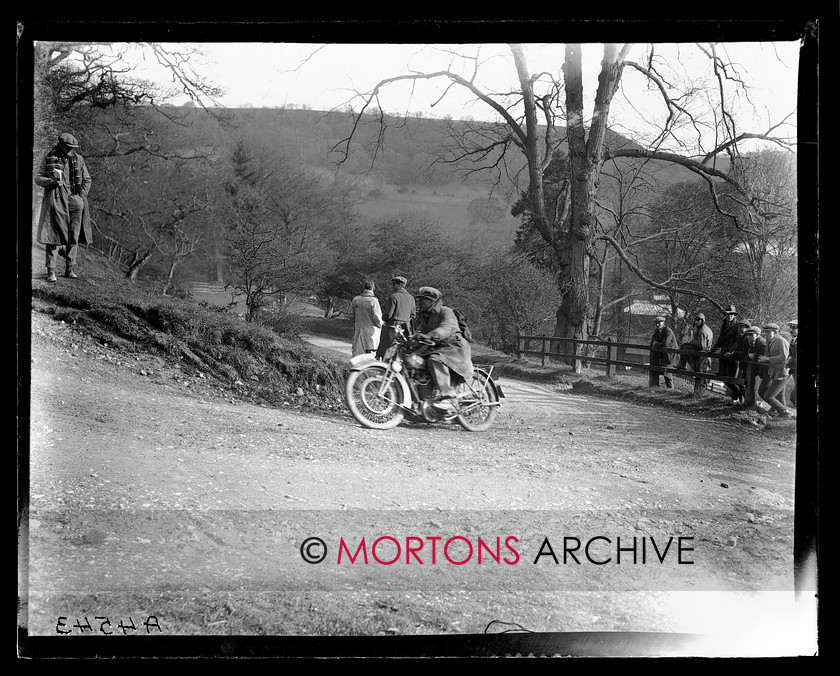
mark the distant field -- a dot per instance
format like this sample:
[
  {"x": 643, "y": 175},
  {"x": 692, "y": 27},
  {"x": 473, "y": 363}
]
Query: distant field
[{"x": 447, "y": 206}]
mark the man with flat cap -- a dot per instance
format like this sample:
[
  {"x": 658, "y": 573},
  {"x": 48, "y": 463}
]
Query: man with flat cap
[
  {"x": 65, "y": 214},
  {"x": 660, "y": 360},
  {"x": 451, "y": 352},
  {"x": 399, "y": 311},
  {"x": 740, "y": 353},
  {"x": 777, "y": 372}
]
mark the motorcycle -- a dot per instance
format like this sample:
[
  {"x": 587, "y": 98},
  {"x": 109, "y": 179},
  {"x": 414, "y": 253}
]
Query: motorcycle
[{"x": 381, "y": 394}]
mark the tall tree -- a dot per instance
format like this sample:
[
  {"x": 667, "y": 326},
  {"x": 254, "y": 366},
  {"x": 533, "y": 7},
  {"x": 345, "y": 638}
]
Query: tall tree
[{"x": 529, "y": 116}]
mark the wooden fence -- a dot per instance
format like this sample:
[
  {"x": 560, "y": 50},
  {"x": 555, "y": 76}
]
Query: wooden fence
[{"x": 606, "y": 353}]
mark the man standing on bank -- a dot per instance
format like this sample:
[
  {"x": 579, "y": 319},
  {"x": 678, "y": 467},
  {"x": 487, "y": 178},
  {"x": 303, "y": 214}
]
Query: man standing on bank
[
  {"x": 65, "y": 214},
  {"x": 399, "y": 311},
  {"x": 663, "y": 336}
]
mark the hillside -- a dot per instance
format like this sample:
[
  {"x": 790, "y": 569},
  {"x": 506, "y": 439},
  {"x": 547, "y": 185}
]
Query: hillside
[{"x": 403, "y": 175}]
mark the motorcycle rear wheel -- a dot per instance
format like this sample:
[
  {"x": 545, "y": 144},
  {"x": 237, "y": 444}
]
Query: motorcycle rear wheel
[
  {"x": 367, "y": 406},
  {"x": 482, "y": 409}
]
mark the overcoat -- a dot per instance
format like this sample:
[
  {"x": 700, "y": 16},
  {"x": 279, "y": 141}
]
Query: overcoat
[
  {"x": 54, "y": 221},
  {"x": 727, "y": 338},
  {"x": 702, "y": 341},
  {"x": 663, "y": 337},
  {"x": 451, "y": 347},
  {"x": 367, "y": 320}
]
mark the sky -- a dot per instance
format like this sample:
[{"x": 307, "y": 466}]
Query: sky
[{"x": 326, "y": 77}]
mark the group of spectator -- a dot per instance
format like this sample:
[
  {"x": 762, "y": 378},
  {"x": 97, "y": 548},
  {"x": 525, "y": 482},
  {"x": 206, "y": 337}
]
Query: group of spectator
[
  {"x": 739, "y": 341},
  {"x": 373, "y": 330}
]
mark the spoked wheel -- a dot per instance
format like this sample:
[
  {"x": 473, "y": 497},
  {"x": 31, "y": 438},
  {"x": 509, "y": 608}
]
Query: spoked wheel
[
  {"x": 480, "y": 409},
  {"x": 372, "y": 408}
]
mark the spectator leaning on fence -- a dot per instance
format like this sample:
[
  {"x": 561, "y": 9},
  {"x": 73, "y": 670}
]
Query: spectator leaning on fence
[
  {"x": 724, "y": 345},
  {"x": 701, "y": 341},
  {"x": 777, "y": 372},
  {"x": 758, "y": 348},
  {"x": 793, "y": 325},
  {"x": 662, "y": 336},
  {"x": 740, "y": 352}
]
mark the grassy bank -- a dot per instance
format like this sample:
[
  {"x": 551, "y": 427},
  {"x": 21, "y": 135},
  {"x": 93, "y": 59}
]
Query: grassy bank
[{"x": 262, "y": 362}]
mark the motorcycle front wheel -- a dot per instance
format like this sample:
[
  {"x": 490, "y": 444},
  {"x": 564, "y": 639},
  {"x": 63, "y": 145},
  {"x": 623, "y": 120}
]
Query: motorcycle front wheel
[
  {"x": 479, "y": 411},
  {"x": 372, "y": 408}
]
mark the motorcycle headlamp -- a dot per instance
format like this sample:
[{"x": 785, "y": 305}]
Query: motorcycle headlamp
[{"x": 396, "y": 367}]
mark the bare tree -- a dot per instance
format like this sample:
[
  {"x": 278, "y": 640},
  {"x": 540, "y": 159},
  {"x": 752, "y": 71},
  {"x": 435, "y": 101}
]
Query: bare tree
[{"x": 529, "y": 122}]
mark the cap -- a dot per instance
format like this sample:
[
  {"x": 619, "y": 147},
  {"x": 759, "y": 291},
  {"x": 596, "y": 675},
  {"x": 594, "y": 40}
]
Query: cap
[
  {"x": 429, "y": 292},
  {"x": 69, "y": 140},
  {"x": 755, "y": 330},
  {"x": 794, "y": 322},
  {"x": 699, "y": 315},
  {"x": 399, "y": 280},
  {"x": 731, "y": 310},
  {"x": 744, "y": 322},
  {"x": 771, "y": 326},
  {"x": 659, "y": 319}
]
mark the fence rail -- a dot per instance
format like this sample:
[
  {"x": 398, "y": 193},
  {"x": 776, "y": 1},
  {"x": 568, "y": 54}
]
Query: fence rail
[{"x": 610, "y": 348}]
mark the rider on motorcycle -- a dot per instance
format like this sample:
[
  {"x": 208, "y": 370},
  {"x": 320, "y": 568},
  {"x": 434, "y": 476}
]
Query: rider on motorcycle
[{"x": 437, "y": 324}]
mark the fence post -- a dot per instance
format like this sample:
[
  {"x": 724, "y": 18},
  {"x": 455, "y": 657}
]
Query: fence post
[
  {"x": 749, "y": 400},
  {"x": 519, "y": 346},
  {"x": 542, "y": 351},
  {"x": 609, "y": 358}
]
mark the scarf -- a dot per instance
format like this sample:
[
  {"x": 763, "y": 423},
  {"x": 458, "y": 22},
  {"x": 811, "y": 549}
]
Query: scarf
[{"x": 71, "y": 175}]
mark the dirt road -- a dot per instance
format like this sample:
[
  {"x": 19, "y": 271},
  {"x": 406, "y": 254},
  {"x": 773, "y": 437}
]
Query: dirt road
[{"x": 153, "y": 493}]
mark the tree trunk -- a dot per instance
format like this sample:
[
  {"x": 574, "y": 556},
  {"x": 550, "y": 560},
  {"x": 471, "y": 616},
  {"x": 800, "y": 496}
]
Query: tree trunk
[
  {"x": 134, "y": 267},
  {"x": 168, "y": 284}
]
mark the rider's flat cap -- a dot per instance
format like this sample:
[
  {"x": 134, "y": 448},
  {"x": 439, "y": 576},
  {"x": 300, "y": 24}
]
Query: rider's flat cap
[
  {"x": 755, "y": 330},
  {"x": 771, "y": 326},
  {"x": 429, "y": 292},
  {"x": 69, "y": 140},
  {"x": 659, "y": 319},
  {"x": 794, "y": 322},
  {"x": 399, "y": 280}
]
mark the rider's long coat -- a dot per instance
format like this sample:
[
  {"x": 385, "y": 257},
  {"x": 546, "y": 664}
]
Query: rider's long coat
[{"x": 451, "y": 347}]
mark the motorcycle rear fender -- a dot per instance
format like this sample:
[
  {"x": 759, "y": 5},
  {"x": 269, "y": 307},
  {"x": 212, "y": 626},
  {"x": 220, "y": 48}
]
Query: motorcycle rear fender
[
  {"x": 492, "y": 383},
  {"x": 367, "y": 361}
]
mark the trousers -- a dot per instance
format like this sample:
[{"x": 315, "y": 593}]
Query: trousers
[{"x": 74, "y": 227}]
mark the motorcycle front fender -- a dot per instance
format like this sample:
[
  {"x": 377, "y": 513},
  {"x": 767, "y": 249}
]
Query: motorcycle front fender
[{"x": 363, "y": 362}]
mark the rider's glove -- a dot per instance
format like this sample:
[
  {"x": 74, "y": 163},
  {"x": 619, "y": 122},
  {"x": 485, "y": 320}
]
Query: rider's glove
[{"x": 423, "y": 337}]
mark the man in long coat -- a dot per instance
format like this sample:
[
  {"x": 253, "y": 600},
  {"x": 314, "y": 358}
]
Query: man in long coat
[
  {"x": 399, "y": 311},
  {"x": 65, "y": 213},
  {"x": 726, "y": 342},
  {"x": 366, "y": 316},
  {"x": 662, "y": 336},
  {"x": 451, "y": 352}
]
